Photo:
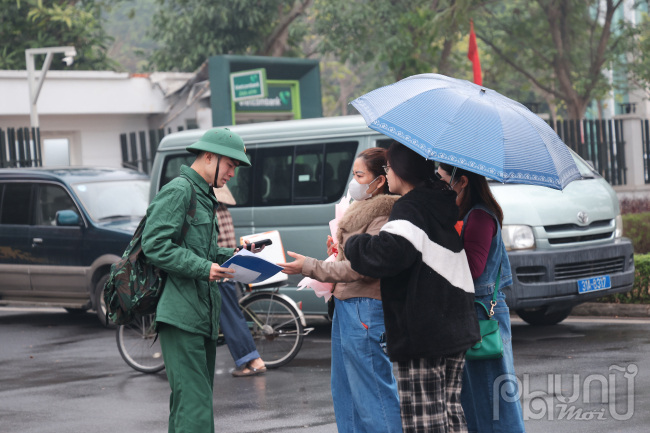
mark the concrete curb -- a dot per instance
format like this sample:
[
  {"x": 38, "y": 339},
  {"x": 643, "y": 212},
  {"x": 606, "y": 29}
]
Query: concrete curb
[{"x": 615, "y": 310}]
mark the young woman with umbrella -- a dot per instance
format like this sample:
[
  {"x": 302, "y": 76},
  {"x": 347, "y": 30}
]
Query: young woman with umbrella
[
  {"x": 481, "y": 235},
  {"x": 476, "y": 129},
  {"x": 426, "y": 291}
]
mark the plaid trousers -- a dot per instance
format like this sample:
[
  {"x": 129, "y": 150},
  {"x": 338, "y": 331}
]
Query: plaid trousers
[
  {"x": 429, "y": 394},
  {"x": 226, "y": 237}
]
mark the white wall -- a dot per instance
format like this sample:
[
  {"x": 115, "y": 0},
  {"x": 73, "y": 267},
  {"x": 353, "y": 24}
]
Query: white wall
[
  {"x": 82, "y": 92},
  {"x": 94, "y": 139},
  {"x": 92, "y": 108}
]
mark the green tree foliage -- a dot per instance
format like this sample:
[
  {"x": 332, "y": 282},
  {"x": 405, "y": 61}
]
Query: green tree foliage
[
  {"x": 50, "y": 23},
  {"x": 344, "y": 82},
  {"x": 410, "y": 36},
  {"x": 369, "y": 45},
  {"x": 634, "y": 55},
  {"x": 561, "y": 46},
  {"x": 190, "y": 31}
]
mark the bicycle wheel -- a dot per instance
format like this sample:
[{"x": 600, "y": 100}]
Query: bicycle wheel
[
  {"x": 275, "y": 326},
  {"x": 135, "y": 341}
]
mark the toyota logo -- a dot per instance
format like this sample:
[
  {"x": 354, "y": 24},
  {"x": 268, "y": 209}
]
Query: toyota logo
[{"x": 583, "y": 218}]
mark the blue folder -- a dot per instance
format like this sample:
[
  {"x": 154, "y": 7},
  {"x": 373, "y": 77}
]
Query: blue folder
[{"x": 265, "y": 268}]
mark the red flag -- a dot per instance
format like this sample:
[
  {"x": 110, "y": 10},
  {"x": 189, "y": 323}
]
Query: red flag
[{"x": 472, "y": 54}]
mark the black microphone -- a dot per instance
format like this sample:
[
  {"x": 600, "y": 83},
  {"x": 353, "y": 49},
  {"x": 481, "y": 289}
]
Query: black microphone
[{"x": 258, "y": 244}]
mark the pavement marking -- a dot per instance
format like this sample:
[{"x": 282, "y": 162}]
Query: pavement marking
[
  {"x": 594, "y": 319},
  {"x": 34, "y": 309}
]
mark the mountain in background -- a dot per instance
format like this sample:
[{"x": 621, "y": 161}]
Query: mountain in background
[{"x": 128, "y": 22}]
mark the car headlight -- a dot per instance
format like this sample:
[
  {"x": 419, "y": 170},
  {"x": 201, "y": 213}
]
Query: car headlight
[
  {"x": 618, "y": 231},
  {"x": 516, "y": 237}
]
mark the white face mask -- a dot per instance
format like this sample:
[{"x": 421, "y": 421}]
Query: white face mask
[
  {"x": 358, "y": 191},
  {"x": 461, "y": 190}
]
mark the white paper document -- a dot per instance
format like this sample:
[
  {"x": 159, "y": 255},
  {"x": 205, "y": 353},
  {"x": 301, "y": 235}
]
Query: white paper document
[
  {"x": 249, "y": 268},
  {"x": 244, "y": 275}
]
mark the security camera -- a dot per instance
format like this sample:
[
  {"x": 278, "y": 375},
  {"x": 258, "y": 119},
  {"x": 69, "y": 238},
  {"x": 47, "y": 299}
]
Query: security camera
[{"x": 69, "y": 56}]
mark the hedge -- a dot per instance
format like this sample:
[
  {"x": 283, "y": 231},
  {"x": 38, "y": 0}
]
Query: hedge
[
  {"x": 636, "y": 226},
  {"x": 639, "y": 293},
  {"x": 635, "y": 205}
]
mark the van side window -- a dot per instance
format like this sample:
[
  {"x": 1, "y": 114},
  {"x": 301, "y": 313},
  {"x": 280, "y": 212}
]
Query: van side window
[
  {"x": 172, "y": 167},
  {"x": 308, "y": 179},
  {"x": 384, "y": 143},
  {"x": 273, "y": 176},
  {"x": 304, "y": 174},
  {"x": 51, "y": 199},
  {"x": 239, "y": 185},
  {"x": 16, "y": 203},
  {"x": 339, "y": 158}
]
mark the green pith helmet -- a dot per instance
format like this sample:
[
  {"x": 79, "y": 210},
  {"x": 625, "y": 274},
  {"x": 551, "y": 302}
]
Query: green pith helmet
[{"x": 222, "y": 141}]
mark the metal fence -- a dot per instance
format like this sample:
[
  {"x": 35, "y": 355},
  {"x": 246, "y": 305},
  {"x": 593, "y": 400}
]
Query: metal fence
[
  {"x": 645, "y": 137},
  {"x": 20, "y": 147},
  {"x": 600, "y": 142},
  {"x": 136, "y": 152}
]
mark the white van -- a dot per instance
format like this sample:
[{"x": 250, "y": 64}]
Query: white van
[{"x": 301, "y": 169}]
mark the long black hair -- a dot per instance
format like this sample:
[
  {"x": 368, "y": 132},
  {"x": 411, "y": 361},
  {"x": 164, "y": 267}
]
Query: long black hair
[
  {"x": 477, "y": 191},
  {"x": 413, "y": 168}
]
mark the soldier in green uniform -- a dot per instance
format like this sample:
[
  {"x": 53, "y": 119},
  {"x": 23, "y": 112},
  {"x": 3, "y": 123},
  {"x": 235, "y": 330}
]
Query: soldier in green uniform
[{"x": 187, "y": 317}]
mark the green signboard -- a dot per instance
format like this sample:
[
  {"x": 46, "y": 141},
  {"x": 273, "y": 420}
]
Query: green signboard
[
  {"x": 248, "y": 85},
  {"x": 278, "y": 99}
]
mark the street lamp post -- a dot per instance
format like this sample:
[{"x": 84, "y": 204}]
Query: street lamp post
[{"x": 35, "y": 86}]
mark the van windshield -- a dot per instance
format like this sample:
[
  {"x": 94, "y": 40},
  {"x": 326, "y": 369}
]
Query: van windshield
[
  {"x": 115, "y": 199},
  {"x": 585, "y": 170}
]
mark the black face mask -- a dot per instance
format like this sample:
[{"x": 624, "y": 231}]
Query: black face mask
[{"x": 216, "y": 173}]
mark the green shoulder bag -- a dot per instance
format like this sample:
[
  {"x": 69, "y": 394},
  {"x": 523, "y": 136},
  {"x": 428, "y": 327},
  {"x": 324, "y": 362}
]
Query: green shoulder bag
[{"x": 491, "y": 345}]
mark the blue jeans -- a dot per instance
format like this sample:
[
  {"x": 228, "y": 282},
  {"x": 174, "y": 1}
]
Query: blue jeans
[
  {"x": 364, "y": 389},
  {"x": 234, "y": 327},
  {"x": 486, "y": 381}
]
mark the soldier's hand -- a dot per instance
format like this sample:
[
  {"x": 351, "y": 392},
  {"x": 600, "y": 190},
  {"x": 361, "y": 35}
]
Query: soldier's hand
[{"x": 217, "y": 272}]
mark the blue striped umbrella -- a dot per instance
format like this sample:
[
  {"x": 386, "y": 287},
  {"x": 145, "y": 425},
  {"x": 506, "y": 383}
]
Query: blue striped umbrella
[{"x": 471, "y": 127}]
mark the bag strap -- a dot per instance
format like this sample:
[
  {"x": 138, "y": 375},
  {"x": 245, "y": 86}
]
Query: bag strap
[
  {"x": 191, "y": 211},
  {"x": 214, "y": 214},
  {"x": 493, "y": 302},
  {"x": 496, "y": 286}
]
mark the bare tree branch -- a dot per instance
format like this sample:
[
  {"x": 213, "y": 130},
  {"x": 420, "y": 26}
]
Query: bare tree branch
[
  {"x": 521, "y": 69},
  {"x": 596, "y": 65},
  {"x": 592, "y": 31},
  {"x": 282, "y": 28},
  {"x": 443, "y": 63},
  {"x": 518, "y": 40}
]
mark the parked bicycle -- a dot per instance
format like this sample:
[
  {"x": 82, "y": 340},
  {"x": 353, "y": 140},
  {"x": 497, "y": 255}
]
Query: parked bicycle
[{"x": 275, "y": 321}]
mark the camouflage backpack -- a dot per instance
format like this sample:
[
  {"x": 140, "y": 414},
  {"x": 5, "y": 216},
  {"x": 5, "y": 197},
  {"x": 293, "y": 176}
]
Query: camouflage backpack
[{"x": 134, "y": 286}]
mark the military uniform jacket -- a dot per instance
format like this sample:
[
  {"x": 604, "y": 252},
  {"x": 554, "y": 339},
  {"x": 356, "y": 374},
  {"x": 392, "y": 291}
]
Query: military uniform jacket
[{"x": 189, "y": 300}]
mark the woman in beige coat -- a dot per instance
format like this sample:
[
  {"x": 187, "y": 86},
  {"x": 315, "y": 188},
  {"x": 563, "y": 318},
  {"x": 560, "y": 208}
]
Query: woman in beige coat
[{"x": 364, "y": 389}]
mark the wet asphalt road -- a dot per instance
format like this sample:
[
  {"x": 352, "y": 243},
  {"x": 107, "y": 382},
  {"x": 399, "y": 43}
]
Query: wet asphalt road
[{"x": 63, "y": 373}]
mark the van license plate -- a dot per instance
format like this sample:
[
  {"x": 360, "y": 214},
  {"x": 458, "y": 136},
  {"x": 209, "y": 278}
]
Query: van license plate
[{"x": 589, "y": 285}]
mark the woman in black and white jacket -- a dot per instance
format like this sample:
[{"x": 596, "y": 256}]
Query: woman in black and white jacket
[{"x": 427, "y": 292}]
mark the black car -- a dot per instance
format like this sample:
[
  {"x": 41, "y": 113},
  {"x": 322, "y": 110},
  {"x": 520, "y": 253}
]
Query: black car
[{"x": 61, "y": 229}]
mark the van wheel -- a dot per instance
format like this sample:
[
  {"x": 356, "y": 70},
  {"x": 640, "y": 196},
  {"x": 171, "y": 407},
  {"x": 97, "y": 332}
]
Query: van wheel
[
  {"x": 538, "y": 316},
  {"x": 100, "y": 306}
]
